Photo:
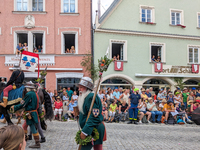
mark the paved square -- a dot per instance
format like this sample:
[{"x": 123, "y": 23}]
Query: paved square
[{"x": 60, "y": 136}]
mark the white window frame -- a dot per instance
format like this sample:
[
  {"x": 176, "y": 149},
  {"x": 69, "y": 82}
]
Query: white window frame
[
  {"x": 193, "y": 46},
  {"x": 152, "y": 8},
  {"x": 124, "y": 42},
  {"x": 62, "y": 6},
  {"x": 181, "y": 17},
  {"x": 29, "y": 5},
  {"x": 63, "y": 41},
  {"x": 37, "y": 4},
  {"x": 163, "y": 50},
  {"x": 198, "y": 19},
  {"x": 30, "y": 39}
]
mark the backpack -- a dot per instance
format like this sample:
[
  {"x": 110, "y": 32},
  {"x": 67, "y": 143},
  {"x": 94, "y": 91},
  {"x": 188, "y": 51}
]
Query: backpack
[{"x": 171, "y": 120}]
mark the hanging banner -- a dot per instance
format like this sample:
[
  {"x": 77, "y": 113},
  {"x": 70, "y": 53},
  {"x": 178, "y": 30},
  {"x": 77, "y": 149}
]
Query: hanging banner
[
  {"x": 195, "y": 68},
  {"x": 158, "y": 67},
  {"x": 119, "y": 66}
]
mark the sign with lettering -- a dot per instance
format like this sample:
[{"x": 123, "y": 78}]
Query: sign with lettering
[
  {"x": 10, "y": 60},
  {"x": 169, "y": 69}
]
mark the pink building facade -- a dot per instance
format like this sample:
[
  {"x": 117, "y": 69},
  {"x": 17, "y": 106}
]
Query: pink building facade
[{"x": 51, "y": 28}]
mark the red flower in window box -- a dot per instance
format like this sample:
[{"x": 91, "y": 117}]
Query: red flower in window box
[{"x": 181, "y": 25}]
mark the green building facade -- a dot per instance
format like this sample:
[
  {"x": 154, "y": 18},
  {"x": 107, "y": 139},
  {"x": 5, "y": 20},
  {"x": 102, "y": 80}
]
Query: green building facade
[{"x": 138, "y": 29}]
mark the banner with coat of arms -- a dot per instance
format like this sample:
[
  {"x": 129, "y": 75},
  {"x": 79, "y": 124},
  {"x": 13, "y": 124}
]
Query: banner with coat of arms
[{"x": 29, "y": 61}]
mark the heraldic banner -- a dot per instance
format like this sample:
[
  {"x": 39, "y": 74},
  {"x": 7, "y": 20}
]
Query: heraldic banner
[{"x": 29, "y": 61}]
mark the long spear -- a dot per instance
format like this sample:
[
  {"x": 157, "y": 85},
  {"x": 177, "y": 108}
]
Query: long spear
[{"x": 103, "y": 66}]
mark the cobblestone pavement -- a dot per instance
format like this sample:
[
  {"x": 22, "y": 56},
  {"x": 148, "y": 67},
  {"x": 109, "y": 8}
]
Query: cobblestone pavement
[{"x": 121, "y": 136}]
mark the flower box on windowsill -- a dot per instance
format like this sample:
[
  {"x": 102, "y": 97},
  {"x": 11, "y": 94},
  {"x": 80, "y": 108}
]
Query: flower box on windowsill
[{"x": 152, "y": 23}]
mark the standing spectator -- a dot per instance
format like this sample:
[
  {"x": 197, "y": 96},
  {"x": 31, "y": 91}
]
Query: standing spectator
[
  {"x": 109, "y": 97},
  {"x": 51, "y": 95},
  {"x": 125, "y": 96},
  {"x": 191, "y": 97},
  {"x": 58, "y": 108},
  {"x": 3, "y": 81},
  {"x": 62, "y": 93},
  {"x": 198, "y": 93},
  {"x": 148, "y": 93},
  {"x": 142, "y": 111},
  {"x": 65, "y": 97},
  {"x": 134, "y": 99},
  {"x": 104, "y": 110},
  {"x": 168, "y": 108},
  {"x": 39, "y": 49},
  {"x": 18, "y": 48},
  {"x": 101, "y": 95},
  {"x": 55, "y": 95},
  {"x": 185, "y": 95},
  {"x": 112, "y": 111},
  {"x": 70, "y": 112},
  {"x": 143, "y": 95},
  {"x": 69, "y": 92},
  {"x": 153, "y": 59},
  {"x": 75, "y": 97},
  {"x": 121, "y": 90},
  {"x": 161, "y": 105},
  {"x": 116, "y": 94},
  {"x": 123, "y": 110},
  {"x": 194, "y": 91},
  {"x": 151, "y": 106}
]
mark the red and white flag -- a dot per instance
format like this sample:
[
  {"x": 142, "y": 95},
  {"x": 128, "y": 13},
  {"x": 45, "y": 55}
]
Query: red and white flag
[
  {"x": 29, "y": 61},
  {"x": 158, "y": 67}
]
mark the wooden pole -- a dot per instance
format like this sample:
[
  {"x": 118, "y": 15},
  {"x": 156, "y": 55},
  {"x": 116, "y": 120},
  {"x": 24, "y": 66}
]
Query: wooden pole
[{"x": 92, "y": 104}]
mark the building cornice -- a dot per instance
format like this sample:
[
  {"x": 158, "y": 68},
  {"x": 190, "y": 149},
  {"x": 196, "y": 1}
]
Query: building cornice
[{"x": 142, "y": 33}]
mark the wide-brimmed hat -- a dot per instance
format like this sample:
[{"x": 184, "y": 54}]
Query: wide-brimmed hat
[
  {"x": 16, "y": 67},
  {"x": 184, "y": 88},
  {"x": 143, "y": 90},
  {"x": 176, "y": 102},
  {"x": 177, "y": 93},
  {"x": 30, "y": 85},
  {"x": 58, "y": 97},
  {"x": 150, "y": 98},
  {"x": 190, "y": 101},
  {"x": 164, "y": 101}
]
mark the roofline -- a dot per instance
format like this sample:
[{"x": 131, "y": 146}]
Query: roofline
[{"x": 109, "y": 11}]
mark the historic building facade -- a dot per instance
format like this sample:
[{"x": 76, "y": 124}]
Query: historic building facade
[
  {"x": 58, "y": 30},
  {"x": 142, "y": 33}
]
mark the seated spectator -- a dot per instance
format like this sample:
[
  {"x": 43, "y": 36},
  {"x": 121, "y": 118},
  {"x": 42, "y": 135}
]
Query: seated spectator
[
  {"x": 189, "y": 103},
  {"x": 18, "y": 48},
  {"x": 152, "y": 92},
  {"x": 75, "y": 97},
  {"x": 58, "y": 108},
  {"x": 195, "y": 105},
  {"x": 144, "y": 96},
  {"x": 181, "y": 112},
  {"x": 67, "y": 50},
  {"x": 65, "y": 97},
  {"x": 177, "y": 97},
  {"x": 70, "y": 112},
  {"x": 114, "y": 58},
  {"x": 123, "y": 110},
  {"x": 104, "y": 110},
  {"x": 151, "y": 106},
  {"x": 12, "y": 138},
  {"x": 169, "y": 108},
  {"x": 153, "y": 59},
  {"x": 161, "y": 105},
  {"x": 112, "y": 111},
  {"x": 101, "y": 95},
  {"x": 158, "y": 59},
  {"x": 72, "y": 50},
  {"x": 160, "y": 95},
  {"x": 25, "y": 47},
  {"x": 118, "y": 58},
  {"x": 39, "y": 49},
  {"x": 142, "y": 111},
  {"x": 109, "y": 97}
]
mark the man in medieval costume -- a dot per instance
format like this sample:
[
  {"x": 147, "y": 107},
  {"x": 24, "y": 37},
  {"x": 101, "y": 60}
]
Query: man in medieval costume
[
  {"x": 96, "y": 117},
  {"x": 30, "y": 103},
  {"x": 15, "y": 81}
]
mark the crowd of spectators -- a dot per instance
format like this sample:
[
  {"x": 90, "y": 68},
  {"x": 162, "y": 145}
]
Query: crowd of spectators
[
  {"x": 117, "y": 104},
  {"x": 151, "y": 108}
]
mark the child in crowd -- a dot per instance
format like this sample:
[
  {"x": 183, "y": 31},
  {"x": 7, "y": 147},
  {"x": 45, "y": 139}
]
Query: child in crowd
[
  {"x": 104, "y": 110},
  {"x": 112, "y": 111}
]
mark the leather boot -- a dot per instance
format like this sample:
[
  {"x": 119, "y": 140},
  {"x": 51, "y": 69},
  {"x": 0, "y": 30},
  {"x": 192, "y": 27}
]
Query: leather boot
[
  {"x": 4, "y": 121},
  {"x": 37, "y": 142},
  {"x": 130, "y": 122},
  {"x": 26, "y": 137},
  {"x": 5, "y": 102},
  {"x": 19, "y": 120},
  {"x": 43, "y": 140},
  {"x": 30, "y": 137}
]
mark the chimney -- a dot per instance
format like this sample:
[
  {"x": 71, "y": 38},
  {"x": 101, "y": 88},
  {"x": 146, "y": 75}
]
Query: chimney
[{"x": 99, "y": 8}]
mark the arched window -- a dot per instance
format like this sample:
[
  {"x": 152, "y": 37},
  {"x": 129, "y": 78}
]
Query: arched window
[
  {"x": 191, "y": 82},
  {"x": 155, "y": 81}
]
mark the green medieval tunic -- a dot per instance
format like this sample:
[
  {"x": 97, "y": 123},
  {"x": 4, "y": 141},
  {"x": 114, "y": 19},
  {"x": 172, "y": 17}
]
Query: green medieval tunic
[
  {"x": 30, "y": 103},
  {"x": 93, "y": 121}
]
